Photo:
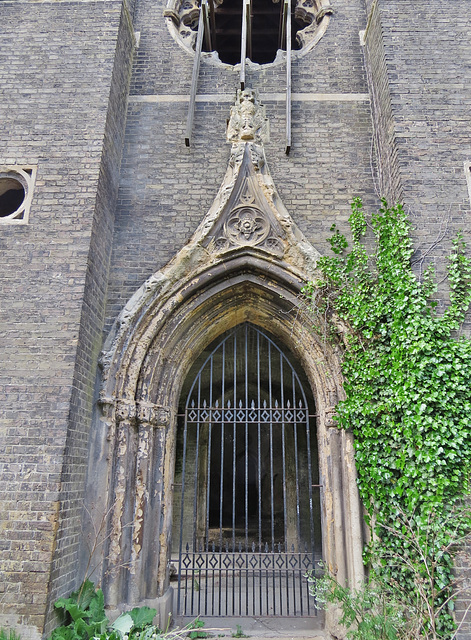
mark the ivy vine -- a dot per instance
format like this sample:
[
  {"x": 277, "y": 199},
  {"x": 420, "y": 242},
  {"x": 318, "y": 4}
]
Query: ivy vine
[{"x": 408, "y": 394}]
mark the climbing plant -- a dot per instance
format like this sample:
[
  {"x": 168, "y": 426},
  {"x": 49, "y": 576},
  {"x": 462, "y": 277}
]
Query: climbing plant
[{"x": 407, "y": 377}]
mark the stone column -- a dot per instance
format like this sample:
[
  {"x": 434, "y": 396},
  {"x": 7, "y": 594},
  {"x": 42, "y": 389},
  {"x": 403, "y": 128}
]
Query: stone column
[
  {"x": 117, "y": 561},
  {"x": 152, "y": 423}
]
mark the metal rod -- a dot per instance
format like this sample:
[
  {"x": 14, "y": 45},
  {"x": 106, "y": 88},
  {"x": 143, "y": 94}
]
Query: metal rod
[
  {"x": 309, "y": 467},
  {"x": 185, "y": 430},
  {"x": 283, "y": 453},
  {"x": 234, "y": 446},
  {"x": 194, "y": 77},
  {"x": 246, "y": 382},
  {"x": 284, "y": 9},
  {"x": 270, "y": 402},
  {"x": 243, "y": 44},
  {"x": 259, "y": 443},
  {"x": 207, "y": 30},
  {"x": 296, "y": 461},
  {"x": 208, "y": 473},
  {"x": 288, "y": 76},
  {"x": 294, "y": 583},
  {"x": 248, "y": 8}
]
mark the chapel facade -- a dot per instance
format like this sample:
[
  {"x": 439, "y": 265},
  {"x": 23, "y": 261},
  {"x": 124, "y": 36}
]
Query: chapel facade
[{"x": 169, "y": 175}]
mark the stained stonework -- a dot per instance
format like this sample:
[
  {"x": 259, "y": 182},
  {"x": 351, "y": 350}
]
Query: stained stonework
[{"x": 246, "y": 261}]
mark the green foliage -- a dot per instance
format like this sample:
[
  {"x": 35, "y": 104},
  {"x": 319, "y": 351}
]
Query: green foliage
[
  {"x": 196, "y": 630},
  {"x": 239, "y": 633},
  {"x": 9, "y": 635},
  {"x": 87, "y": 619},
  {"x": 408, "y": 397},
  {"x": 86, "y": 610},
  {"x": 367, "y": 613}
]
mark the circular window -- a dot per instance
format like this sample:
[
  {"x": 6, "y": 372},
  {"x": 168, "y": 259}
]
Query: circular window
[
  {"x": 15, "y": 192},
  {"x": 12, "y": 196},
  {"x": 223, "y": 33}
]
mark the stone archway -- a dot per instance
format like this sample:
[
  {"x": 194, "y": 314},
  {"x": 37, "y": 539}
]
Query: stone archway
[
  {"x": 246, "y": 262},
  {"x": 134, "y": 447}
]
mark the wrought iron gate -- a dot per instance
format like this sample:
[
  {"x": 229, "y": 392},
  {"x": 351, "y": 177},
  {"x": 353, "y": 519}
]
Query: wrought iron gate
[{"x": 246, "y": 478}]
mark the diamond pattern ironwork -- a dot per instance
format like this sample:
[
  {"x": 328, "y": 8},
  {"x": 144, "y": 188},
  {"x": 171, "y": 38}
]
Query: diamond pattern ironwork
[
  {"x": 240, "y": 561},
  {"x": 199, "y": 561}
]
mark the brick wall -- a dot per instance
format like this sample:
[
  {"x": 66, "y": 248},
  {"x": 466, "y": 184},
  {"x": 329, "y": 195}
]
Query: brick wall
[
  {"x": 61, "y": 108},
  {"x": 419, "y": 63},
  {"x": 166, "y": 188},
  {"x": 64, "y": 70}
]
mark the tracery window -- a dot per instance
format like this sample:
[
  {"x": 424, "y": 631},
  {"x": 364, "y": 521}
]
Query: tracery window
[{"x": 266, "y": 33}]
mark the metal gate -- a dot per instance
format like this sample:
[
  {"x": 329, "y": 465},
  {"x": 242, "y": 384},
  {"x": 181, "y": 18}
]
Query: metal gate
[{"x": 246, "y": 478}]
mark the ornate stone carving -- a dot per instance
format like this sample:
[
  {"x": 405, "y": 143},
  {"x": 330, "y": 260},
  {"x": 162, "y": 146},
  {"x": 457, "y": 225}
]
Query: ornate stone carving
[
  {"x": 247, "y": 224},
  {"x": 184, "y": 16},
  {"x": 247, "y": 220},
  {"x": 330, "y": 417},
  {"x": 153, "y": 414},
  {"x": 248, "y": 121},
  {"x": 245, "y": 213},
  {"x": 126, "y": 411}
]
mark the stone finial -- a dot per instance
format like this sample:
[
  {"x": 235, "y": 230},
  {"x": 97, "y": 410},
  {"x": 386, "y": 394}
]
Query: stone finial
[{"x": 248, "y": 122}]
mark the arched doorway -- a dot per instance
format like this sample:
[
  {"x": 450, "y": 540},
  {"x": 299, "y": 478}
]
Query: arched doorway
[
  {"x": 246, "y": 524},
  {"x": 134, "y": 448}
]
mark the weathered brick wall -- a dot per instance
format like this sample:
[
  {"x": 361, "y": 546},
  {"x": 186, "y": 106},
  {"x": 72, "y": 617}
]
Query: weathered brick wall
[
  {"x": 166, "y": 188},
  {"x": 384, "y": 149},
  {"x": 62, "y": 108},
  {"x": 418, "y": 53}
]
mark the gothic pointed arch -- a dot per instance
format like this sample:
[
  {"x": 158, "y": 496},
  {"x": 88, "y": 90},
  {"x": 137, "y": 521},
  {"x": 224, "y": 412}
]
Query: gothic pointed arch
[{"x": 246, "y": 262}]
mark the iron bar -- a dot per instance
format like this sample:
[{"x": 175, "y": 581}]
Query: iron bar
[
  {"x": 248, "y": 9},
  {"x": 196, "y": 483},
  {"x": 259, "y": 449},
  {"x": 270, "y": 512},
  {"x": 309, "y": 466},
  {"x": 185, "y": 431},
  {"x": 194, "y": 77},
  {"x": 283, "y": 17},
  {"x": 283, "y": 454},
  {"x": 246, "y": 443},
  {"x": 207, "y": 29},
  {"x": 296, "y": 462},
  {"x": 243, "y": 42}
]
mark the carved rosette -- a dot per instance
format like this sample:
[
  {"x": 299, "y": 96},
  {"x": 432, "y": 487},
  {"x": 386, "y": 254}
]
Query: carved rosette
[{"x": 247, "y": 225}]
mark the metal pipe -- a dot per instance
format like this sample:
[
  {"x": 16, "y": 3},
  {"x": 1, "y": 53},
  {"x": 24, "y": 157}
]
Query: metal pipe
[
  {"x": 194, "y": 76},
  {"x": 243, "y": 42},
  {"x": 288, "y": 76}
]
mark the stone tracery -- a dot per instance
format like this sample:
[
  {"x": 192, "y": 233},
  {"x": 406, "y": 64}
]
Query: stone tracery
[{"x": 312, "y": 17}]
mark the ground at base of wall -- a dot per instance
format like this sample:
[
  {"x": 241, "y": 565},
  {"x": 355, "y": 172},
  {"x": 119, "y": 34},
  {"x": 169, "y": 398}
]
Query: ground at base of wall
[{"x": 266, "y": 628}]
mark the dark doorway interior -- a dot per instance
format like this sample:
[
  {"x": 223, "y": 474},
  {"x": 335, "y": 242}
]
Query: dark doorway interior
[{"x": 247, "y": 506}]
